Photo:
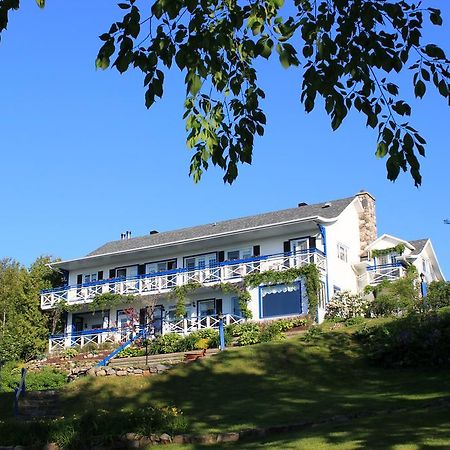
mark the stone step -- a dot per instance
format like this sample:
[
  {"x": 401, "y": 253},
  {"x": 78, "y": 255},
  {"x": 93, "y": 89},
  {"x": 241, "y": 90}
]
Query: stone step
[{"x": 40, "y": 405}]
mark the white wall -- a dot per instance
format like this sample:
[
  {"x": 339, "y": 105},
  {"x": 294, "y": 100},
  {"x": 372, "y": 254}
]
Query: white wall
[{"x": 345, "y": 231}]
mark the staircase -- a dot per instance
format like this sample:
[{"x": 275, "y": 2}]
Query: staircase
[{"x": 40, "y": 405}]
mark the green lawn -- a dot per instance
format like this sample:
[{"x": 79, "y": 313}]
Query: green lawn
[
  {"x": 412, "y": 430},
  {"x": 278, "y": 383},
  {"x": 267, "y": 384}
]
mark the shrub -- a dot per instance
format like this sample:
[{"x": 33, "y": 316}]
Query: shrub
[
  {"x": 272, "y": 332},
  {"x": 417, "y": 340},
  {"x": 313, "y": 334},
  {"x": 39, "y": 380},
  {"x": 354, "y": 321},
  {"x": 70, "y": 353},
  {"x": 167, "y": 343},
  {"x": 345, "y": 305},
  {"x": 131, "y": 351},
  {"x": 438, "y": 295},
  {"x": 396, "y": 297},
  {"x": 247, "y": 333}
]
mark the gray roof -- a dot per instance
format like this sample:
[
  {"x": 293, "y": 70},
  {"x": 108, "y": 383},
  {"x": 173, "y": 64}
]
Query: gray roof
[
  {"x": 419, "y": 244},
  {"x": 228, "y": 226}
]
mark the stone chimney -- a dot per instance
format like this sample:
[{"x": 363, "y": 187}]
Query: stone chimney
[{"x": 367, "y": 221}]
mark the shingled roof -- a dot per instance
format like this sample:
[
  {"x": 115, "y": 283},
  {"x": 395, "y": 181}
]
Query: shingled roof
[
  {"x": 418, "y": 244},
  {"x": 334, "y": 208}
]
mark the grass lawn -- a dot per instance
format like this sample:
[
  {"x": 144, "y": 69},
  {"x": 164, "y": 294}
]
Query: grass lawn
[
  {"x": 267, "y": 384},
  {"x": 270, "y": 384},
  {"x": 412, "y": 430}
]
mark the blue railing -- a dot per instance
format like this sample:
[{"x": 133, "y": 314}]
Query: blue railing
[
  {"x": 384, "y": 266},
  {"x": 181, "y": 270},
  {"x": 20, "y": 391},
  {"x": 115, "y": 352}
]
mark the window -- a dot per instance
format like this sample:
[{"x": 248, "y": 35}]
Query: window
[
  {"x": 281, "y": 300},
  {"x": 243, "y": 253},
  {"x": 200, "y": 261},
  {"x": 236, "y": 306},
  {"x": 90, "y": 278},
  {"x": 206, "y": 307},
  {"x": 425, "y": 266},
  {"x": 336, "y": 289},
  {"x": 342, "y": 252},
  {"x": 161, "y": 266}
]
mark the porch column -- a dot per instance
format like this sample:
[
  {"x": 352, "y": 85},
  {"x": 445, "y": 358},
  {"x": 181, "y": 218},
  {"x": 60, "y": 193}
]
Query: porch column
[{"x": 68, "y": 331}]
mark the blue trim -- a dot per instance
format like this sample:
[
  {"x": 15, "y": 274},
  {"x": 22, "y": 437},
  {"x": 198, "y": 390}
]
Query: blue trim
[
  {"x": 106, "y": 359},
  {"x": 323, "y": 233},
  {"x": 384, "y": 266},
  {"x": 284, "y": 315},
  {"x": 183, "y": 270}
]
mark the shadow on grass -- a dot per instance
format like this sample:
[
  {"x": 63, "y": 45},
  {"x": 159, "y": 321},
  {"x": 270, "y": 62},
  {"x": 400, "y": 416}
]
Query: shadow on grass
[{"x": 264, "y": 385}]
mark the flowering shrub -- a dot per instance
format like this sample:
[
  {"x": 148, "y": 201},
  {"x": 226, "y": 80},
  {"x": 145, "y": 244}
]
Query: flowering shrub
[{"x": 345, "y": 305}]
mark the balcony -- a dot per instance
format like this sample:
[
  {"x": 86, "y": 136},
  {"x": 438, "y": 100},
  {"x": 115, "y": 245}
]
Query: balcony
[
  {"x": 385, "y": 272},
  {"x": 164, "y": 282}
]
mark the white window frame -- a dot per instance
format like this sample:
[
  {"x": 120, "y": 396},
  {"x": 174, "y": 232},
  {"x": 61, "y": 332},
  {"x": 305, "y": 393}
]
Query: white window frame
[
  {"x": 90, "y": 277},
  {"x": 243, "y": 253},
  {"x": 342, "y": 252}
]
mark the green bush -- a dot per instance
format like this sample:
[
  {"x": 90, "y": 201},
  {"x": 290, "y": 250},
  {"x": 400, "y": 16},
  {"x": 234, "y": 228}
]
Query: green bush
[
  {"x": 131, "y": 351},
  {"x": 167, "y": 343},
  {"x": 40, "y": 380},
  {"x": 418, "y": 340},
  {"x": 438, "y": 295},
  {"x": 272, "y": 332},
  {"x": 313, "y": 334},
  {"x": 94, "y": 428}
]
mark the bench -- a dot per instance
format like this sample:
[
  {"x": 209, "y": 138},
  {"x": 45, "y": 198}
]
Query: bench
[{"x": 193, "y": 356}]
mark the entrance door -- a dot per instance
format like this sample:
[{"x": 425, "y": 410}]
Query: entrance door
[{"x": 78, "y": 324}]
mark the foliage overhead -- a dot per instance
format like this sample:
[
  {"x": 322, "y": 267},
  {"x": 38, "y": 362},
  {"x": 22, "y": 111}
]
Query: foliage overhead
[{"x": 347, "y": 53}]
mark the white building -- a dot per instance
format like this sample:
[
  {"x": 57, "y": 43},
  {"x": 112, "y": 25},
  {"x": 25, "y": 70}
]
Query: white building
[{"x": 337, "y": 236}]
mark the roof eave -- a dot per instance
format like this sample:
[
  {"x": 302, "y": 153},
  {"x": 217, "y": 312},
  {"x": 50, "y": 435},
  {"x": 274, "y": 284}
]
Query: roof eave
[{"x": 316, "y": 218}]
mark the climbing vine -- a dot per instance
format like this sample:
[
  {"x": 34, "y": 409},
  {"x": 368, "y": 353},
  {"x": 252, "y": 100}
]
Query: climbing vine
[
  {"x": 105, "y": 301},
  {"x": 242, "y": 294},
  {"x": 180, "y": 294},
  {"x": 309, "y": 273},
  {"x": 399, "y": 249}
]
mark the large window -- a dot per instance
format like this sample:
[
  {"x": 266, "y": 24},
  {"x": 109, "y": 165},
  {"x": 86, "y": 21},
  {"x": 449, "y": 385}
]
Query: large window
[{"x": 281, "y": 300}]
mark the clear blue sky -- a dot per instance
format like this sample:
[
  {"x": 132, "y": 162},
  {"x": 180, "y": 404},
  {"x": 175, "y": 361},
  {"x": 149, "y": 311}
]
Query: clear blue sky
[{"x": 83, "y": 160}]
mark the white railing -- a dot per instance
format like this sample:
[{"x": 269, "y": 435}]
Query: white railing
[
  {"x": 165, "y": 281},
  {"x": 386, "y": 272},
  {"x": 58, "y": 343},
  {"x": 188, "y": 325}
]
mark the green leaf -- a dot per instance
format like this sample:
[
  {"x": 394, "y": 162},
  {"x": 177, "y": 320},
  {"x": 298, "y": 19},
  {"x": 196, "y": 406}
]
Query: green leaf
[
  {"x": 40, "y": 3},
  {"x": 419, "y": 89},
  {"x": 381, "y": 150},
  {"x": 194, "y": 83}
]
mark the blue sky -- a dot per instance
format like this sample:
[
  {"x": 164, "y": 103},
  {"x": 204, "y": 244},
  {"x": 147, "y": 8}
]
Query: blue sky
[{"x": 83, "y": 160}]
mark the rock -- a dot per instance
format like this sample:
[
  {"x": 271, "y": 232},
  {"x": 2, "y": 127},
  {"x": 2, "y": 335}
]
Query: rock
[
  {"x": 153, "y": 369},
  {"x": 161, "y": 368},
  {"x": 51, "y": 446},
  {"x": 101, "y": 373},
  {"x": 91, "y": 372},
  {"x": 179, "y": 439},
  {"x": 228, "y": 437},
  {"x": 165, "y": 439},
  {"x": 138, "y": 371},
  {"x": 144, "y": 441},
  {"x": 121, "y": 373}
]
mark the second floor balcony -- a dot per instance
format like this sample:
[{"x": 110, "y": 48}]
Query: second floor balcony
[
  {"x": 386, "y": 272},
  {"x": 164, "y": 282}
]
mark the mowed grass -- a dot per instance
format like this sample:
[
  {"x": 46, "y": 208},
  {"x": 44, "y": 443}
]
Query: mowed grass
[
  {"x": 410, "y": 430},
  {"x": 267, "y": 384}
]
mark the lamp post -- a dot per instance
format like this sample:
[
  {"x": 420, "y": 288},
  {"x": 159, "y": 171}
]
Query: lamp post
[{"x": 221, "y": 333}]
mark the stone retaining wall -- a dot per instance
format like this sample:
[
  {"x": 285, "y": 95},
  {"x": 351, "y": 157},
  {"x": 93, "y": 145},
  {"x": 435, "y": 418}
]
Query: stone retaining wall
[{"x": 77, "y": 372}]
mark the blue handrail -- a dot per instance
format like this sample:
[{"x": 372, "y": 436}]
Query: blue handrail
[
  {"x": 184, "y": 270},
  {"x": 107, "y": 358},
  {"x": 20, "y": 390},
  {"x": 384, "y": 266}
]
